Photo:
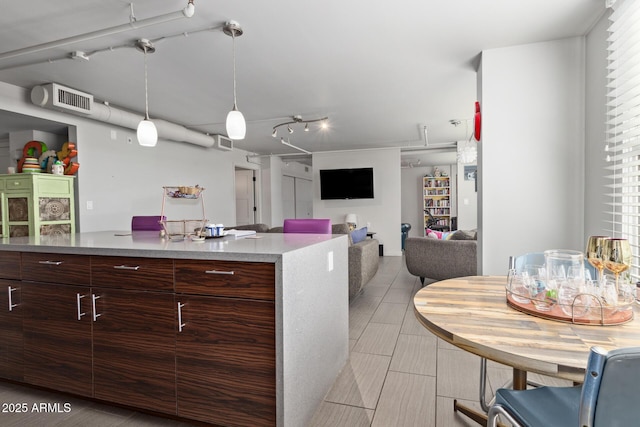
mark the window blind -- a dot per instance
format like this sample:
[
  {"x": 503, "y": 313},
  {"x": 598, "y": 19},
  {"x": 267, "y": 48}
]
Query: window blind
[{"x": 623, "y": 126}]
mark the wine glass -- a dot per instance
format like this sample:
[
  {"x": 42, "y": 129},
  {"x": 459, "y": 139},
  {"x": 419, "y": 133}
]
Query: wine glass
[
  {"x": 594, "y": 253},
  {"x": 616, "y": 255}
]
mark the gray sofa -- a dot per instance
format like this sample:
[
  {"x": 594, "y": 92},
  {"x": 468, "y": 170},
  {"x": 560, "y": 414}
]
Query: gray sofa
[
  {"x": 363, "y": 256},
  {"x": 363, "y": 260},
  {"x": 436, "y": 259}
]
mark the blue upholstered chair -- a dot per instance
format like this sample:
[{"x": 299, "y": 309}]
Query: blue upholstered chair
[{"x": 607, "y": 398}]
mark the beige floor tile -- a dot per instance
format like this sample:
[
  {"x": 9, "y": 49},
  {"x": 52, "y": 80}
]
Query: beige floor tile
[
  {"x": 447, "y": 417},
  {"x": 411, "y": 325},
  {"x": 360, "y": 382},
  {"x": 364, "y": 304},
  {"x": 358, "y": 323},
  {"x": 388, "y": 312},
  {"x": 336, "y": 415},
  {"x": 458, "y": 374},
  {"x": 378, "y": 338},
  {"x": 415, "y": 354},
  {"x": 399, "y": 295},
  {"x": 406, "y": 400},
  {"x": 375, "y": 290}
]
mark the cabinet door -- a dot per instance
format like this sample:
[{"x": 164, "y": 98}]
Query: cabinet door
[
  {"x": 57, "y": 337},
  {"x": 11, "y": 362},
  {"x": 226, "y": 361},
  {"x": 134, "y": 348},
  {"x": 19, "y": 214}
]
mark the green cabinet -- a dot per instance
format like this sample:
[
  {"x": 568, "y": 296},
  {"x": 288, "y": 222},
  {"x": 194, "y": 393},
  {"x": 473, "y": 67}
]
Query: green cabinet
[{"x": 36, "y": 204}]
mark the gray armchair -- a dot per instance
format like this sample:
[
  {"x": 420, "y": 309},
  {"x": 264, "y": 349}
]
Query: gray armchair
[{"x": 442, "y": 259}]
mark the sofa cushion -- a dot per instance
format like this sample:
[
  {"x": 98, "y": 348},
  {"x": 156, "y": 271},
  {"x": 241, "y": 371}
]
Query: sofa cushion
[
  {"x": 463, "y": 235},
  {"x": 359, "y": 235}
]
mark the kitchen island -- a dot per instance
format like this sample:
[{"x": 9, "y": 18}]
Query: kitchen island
[{"x": 233, "y": 332}]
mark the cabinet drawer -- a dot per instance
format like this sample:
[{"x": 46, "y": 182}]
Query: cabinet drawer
[
  {"x": 10, "y": 265},
  {"x": 56, "y": 268},
  {"x": 132, "y": 273},
  {"x": 18, "y": 182},
  {"x": 254, "y": 280}
]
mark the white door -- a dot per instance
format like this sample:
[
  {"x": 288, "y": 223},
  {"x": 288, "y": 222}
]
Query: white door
[
  {"x": 304, "y": 198},
  {"x": 245, "y": 197},
  {"x": 288, "y": 197}
]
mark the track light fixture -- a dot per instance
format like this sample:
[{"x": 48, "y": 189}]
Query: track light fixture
[{"x": 298, "y": 119}]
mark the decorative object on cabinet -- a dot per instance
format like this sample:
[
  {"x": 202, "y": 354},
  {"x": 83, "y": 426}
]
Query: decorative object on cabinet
[
  {"x": 183, "y": 227},
  {"x": 36, "y": 204},
  {"x": 437, "y": 203},
  {"x": 37, "y": 158}
]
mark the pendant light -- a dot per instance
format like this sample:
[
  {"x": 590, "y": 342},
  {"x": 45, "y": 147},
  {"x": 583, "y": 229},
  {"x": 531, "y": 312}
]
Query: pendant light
[
  {"x": 147, "y": 132},
  {"x": 236, "y": 126}
]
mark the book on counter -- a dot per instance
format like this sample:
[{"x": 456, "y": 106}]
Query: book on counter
[{"x": 239, "y": 234}]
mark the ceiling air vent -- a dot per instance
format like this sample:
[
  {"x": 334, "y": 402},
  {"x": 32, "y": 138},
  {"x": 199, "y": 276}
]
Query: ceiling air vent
[
  {"x": 62, "y": 98},
  {"x": 223, "y": 143}
]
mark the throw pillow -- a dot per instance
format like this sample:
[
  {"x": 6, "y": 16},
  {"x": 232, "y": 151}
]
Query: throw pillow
[
  {"x": 436, "y": 234},
  {"x": 359, "y": 235}
]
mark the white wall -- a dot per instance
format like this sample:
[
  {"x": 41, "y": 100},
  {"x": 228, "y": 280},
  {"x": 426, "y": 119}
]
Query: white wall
[
  {"x": 467, "y": 198},
  {"x": 532, "y": 151},
  {"x": 595, "y": 185},
  {"x": 382, "y": 212}
]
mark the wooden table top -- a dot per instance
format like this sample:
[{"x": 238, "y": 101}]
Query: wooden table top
[{"x": 472, "y": 313}]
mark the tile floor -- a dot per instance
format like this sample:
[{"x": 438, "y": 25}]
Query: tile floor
[{"x": 398, "y": 373}]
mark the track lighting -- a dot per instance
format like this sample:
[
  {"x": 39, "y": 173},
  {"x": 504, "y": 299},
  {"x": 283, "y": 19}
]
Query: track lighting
[{"x": 298, "y": 119}]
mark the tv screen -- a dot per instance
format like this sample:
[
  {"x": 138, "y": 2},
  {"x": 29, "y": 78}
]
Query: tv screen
[{"x": 346, "y": 184}]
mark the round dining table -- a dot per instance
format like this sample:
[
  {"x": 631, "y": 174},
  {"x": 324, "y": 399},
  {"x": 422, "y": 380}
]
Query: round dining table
[{"x": 472, "y": 313}]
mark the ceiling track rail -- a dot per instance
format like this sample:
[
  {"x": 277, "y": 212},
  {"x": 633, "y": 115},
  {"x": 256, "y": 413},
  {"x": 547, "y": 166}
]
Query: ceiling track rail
[{"x": 186, "y": 12}]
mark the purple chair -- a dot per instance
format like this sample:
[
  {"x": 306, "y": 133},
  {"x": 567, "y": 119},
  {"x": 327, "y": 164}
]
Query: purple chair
[
  {"x": 148, "y": 223},
  {"x": 307, "y": 225}
]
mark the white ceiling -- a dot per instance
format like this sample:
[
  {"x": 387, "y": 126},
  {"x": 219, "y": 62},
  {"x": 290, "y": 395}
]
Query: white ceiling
[{"x": 381, "y": 71}]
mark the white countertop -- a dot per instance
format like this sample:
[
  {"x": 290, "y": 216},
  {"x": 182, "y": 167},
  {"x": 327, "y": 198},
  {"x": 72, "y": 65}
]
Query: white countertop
[{"x": 265, "y": 247}]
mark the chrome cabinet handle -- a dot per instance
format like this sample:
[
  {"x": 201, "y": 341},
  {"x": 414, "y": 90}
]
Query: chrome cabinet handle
[
  {"x": 231, "y": 273},
  {"x": 126, "y": 267},
  {"x": 80, "y": 312},
  {"x": 95, "y": 297},
  {"x": 50, "y": 262},
  {"x": 180, "y": 324},
  {"x": 11, "y": 304}
]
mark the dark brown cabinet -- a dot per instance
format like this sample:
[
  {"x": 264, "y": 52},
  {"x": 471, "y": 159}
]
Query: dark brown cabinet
[
  {"x": 134, "y": 348},
  {"x": 192, "y": 338},
  {"x": 11, "y": 361},
  {"x": 226, "y": 349},
  {"x": 57, "y": 337},
  {"x": 226, "y": 361}
]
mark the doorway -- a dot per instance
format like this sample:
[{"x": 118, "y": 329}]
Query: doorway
[{"x": 246, "y": 209}]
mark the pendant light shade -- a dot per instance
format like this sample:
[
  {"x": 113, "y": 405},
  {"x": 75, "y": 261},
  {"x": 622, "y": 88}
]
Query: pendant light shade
[
  {"x": 147, "y": 133},
  {"x": 236, "y": 125}
]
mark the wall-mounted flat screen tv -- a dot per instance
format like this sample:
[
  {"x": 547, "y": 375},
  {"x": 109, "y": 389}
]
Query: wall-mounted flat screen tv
[{"x": 346, "y": 184}]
